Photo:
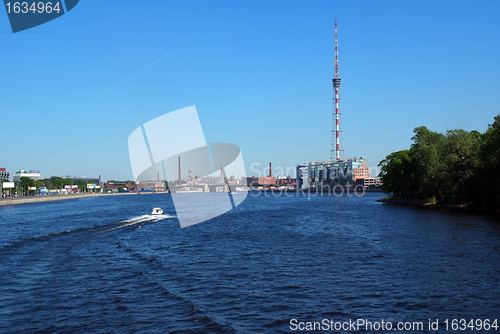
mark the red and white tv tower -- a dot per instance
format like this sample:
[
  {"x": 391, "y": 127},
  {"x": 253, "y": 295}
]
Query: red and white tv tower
[{"x": 336, "y": 137}]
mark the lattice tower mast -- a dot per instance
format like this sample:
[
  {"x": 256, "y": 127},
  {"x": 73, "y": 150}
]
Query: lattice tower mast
[{"x": 336, "y": 129}]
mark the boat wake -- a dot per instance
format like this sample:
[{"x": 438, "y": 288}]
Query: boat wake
[
  {"x": 145, "y": 219},
  {"x": 91, "y": 231}
]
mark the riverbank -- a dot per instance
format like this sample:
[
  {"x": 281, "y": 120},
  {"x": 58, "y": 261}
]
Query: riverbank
[
  {"x": 423, "y": 203},
  {"x": 51, "y": 198}
]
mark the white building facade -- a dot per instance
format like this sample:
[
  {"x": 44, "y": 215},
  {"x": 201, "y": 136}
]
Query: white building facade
[{"x": 32, "y": 174}]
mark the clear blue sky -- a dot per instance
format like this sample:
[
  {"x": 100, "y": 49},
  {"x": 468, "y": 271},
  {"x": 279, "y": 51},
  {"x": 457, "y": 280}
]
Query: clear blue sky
[{"x": 259, "y": 73}]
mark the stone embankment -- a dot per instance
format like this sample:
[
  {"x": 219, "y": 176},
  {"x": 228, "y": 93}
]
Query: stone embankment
[{"x": 51, "y": 198}]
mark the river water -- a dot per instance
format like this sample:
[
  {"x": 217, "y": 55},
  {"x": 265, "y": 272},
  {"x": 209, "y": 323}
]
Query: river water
[{"x": 101, "y": 265}]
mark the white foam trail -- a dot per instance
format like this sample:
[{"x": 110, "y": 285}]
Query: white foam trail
[
  {"x": 135, "y": 219},
  {"x": 140, "y": 219},
  {"x": 130, "y": 223},
  {"x": 161, "y": 217}
]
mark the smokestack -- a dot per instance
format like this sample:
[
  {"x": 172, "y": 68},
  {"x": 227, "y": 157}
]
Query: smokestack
[
  {"x": 158, "y": 176},
  {"x": 270, "y": 170},
  {"x": 179, "y": 169}
]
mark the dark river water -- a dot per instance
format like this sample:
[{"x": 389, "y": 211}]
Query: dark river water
[{"x": 99, "y": 265}]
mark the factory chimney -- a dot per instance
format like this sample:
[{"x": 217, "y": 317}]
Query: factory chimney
[
  {"x": 270, "y": 170},
  {"x": 179, "y": 169}
]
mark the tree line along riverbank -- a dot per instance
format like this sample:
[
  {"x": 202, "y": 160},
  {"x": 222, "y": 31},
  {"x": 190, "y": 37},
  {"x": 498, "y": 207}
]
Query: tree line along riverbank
[{"x": 456, "y": 168}]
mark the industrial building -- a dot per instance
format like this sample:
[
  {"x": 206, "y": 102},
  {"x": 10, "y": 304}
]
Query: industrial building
[
  {"x": 331, "y": 173},
  {"x": 286, "y": 181},
  {"x": 156, "y": 186},
  {"x": 256, "y": 181},
  {"x": 4, "y": 175},
  {"x": 259, "y": 181},
  {"x": 32, "y": 174},
  {"x": 302, "y": 173},
  {"x": 369, "y": 183},
  {"x": 213, "y": 180},
  {"x": 114, "y": 186}
]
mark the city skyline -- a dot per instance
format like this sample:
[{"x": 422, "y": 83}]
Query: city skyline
[{"x": 259, "y": 74}]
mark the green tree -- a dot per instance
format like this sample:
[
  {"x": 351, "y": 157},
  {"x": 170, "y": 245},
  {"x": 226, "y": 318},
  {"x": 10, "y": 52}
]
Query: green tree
[
  {"x": 57, "y": 182},
  {"x": 82, "y": 185},
  {"x": 427, "y": 151},
  {"x": 459, "y": 167},
  {"x": 490, "y": 171},
  {"x": 397, "y": 174},
  {"x": 26, "y": 183},
  {"x": 47, "y": 183},
  {"x": 461, "y": 157}
]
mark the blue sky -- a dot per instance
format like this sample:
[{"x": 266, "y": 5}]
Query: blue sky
[{"x": 259, "y": 73}]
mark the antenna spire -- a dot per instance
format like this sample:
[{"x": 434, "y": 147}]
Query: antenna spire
[
  {"x": 335, "y": 151},
  {"x": 336, "y": 63}
]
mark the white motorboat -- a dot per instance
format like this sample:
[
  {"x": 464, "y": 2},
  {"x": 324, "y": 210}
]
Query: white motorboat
[{"x": 157, "y": 212}]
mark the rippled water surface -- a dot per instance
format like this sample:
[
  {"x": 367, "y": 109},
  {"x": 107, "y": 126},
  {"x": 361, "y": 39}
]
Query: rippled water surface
[{"x": 100, "y": 264}]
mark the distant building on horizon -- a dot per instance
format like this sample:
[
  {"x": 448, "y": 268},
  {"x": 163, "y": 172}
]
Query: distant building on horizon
[
  {"x": 255, "y": 181},
  {"x": 369, "y": 182},
  {"x": 286, "y": 181},
  {"x": 332, "y": 173},
  {"x": 32, "y": 174},
  {"x": 213, "y": 180},
  {"x": 302, "y": 174},
  {"x": 157, "y": 186},
  {"x": 114, "y": 186},
  {"x": 4, "y": 174}
]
